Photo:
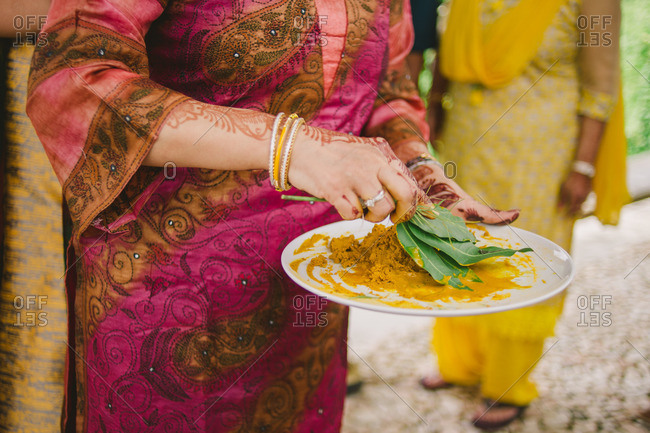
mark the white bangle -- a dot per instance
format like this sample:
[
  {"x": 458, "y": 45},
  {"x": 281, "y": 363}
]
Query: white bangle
[
  {"x": 286, "y": 154},
  {"x": 274, "y": 145},
  {"x": 585, "y": 168}
]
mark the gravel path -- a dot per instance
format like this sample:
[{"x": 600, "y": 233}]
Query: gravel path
[{"x": 594, "y": 376}]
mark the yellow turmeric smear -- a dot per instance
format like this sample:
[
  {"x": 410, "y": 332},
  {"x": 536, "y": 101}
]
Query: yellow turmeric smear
[
  {"x": 379, "y": 262},
  {"x": 320, "y": 261},
  {"x": 310, "y": 243}
]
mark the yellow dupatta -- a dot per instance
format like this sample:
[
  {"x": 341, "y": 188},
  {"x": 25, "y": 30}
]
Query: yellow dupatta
[
  {"x": 494, "y": 54},
  {"x": 610, "y": 180}
]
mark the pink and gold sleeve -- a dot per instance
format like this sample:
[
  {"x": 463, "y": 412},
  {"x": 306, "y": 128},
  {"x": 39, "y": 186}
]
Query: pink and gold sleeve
[
  {"x": 399, "y": 114},
  {"x": 93, "y": 105}
]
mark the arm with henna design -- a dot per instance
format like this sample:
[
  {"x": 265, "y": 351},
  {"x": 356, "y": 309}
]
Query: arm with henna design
[
  {"x": 398, "y": 116},
  {"x": 446, "y": 192},
  {"x": 324, "y": 163},
  {"x": 210, "y": 136}
]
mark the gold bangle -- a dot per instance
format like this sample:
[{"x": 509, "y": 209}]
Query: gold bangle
[
  {"x": 286, "y": 154},
  {"x": 274, "y": 144},
  {"x": 278, "y": 151}
]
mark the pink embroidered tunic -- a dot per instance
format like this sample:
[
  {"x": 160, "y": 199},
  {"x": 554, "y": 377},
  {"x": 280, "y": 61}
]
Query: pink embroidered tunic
[{"x": 181, "y": 318}]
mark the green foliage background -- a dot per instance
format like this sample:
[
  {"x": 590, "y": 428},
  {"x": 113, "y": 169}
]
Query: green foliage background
[
  {"x": 635, "y": 70},
  {"x": 635, "y": 66}
]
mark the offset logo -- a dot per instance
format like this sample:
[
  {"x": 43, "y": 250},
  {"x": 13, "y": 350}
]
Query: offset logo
[
  {"x": 309, "y": 311},
  {"x": 25, "y": 36},
  {"x": 594, "y": 310},
  {"x": 29, "y": 311},
  {"x": 593, "y": 32}
]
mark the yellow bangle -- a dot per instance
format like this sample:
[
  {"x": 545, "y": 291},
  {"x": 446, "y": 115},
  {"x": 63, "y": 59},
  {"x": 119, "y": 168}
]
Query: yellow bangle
[
  {"x": 274, "y": 144},
  {"x": 286, "y": 155},
  {"x": 278, "y": 151}
]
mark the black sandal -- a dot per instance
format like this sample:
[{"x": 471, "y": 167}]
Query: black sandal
[
  {"x": 485, "y": 424},
  {"x": 434, "y": 383},
  {"x": 644, "y": 418}
]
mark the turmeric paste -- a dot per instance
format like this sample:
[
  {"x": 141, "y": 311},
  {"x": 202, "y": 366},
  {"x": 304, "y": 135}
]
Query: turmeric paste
[{"x": 378, "y": 262}]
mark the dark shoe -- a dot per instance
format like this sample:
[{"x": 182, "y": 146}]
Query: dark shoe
[
  {"x": 494, "y": 415},
  {"x": 354, "y": 379},
  {"x": 434, "y": 383},
  {"x": 644, "y": 418},
  {"x": 354, "y": 387}
]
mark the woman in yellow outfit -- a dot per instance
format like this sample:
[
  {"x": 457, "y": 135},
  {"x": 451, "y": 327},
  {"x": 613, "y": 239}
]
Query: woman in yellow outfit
[{"x": 531, "y": 111}]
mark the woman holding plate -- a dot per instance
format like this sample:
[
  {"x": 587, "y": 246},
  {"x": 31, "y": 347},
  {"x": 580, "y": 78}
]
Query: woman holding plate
[{"x": 164, "y": 124}]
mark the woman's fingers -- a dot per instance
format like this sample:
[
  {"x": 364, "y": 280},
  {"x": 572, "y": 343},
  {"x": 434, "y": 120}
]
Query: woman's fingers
[
  {"x": 347, "y": 205},
  {"x": 378, "y": 206},
  {"x": 449, "y": 194},
  {"x": 472, "y": 210},
  {"x": 348, "y": 171},
  {"x": 477, "y": 212},
  {"x": 573, "y": 193},
  {"x": 403, "y": 190}
]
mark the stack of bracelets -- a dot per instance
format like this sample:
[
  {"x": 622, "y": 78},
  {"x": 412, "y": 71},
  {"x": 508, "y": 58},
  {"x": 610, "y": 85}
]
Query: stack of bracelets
[{"x": 282, "y": 141}]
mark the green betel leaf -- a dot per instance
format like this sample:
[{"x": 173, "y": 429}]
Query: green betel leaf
[
  {"x": 409, "y": 243},
  {"x": 439, "y": 221},
  {"x": 442, "y": 244},
  {"x": 471, "y": 275},
  {"x": 442, "y": 268},
  {"x": 465, "y": 253},
  {"x": 457, "y": 284},
  {"x": 458, "y": 271}
]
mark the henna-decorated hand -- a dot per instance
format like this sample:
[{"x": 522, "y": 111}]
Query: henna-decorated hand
[
  {"x": 346, "y": 170},
  {"x": 449, "y": 194}
]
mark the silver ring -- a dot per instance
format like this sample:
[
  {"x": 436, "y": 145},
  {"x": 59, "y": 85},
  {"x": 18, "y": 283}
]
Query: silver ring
[{"x": 373, "y": 201}]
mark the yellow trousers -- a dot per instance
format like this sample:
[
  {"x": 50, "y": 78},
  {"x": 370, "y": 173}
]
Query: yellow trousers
[{"x": 470, "y": 353}]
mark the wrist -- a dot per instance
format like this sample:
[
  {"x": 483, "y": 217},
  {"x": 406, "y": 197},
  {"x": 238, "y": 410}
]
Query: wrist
[
  {"x": 407, "y": 150},
  {"x": 422, "y": 160},
  {"x": 584, "y": 168},
  {"x": 283, "y": 137},
  {"x": 423, "y": 167}
]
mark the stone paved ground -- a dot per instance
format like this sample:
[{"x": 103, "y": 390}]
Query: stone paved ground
[{"x": 591, "y": 379}]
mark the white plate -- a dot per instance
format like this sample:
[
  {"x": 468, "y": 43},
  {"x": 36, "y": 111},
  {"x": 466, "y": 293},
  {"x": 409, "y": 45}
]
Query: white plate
[{"x": 553, "y": 268}]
